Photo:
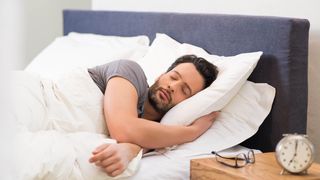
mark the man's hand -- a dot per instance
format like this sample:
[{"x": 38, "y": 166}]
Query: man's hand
[
  {"x": 202, "y": 124},
  {"x": 114, "y": 158}
]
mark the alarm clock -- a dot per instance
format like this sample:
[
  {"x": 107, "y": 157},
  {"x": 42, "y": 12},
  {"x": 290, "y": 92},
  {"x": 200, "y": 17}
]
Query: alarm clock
[{"x": 295, "y": 153}]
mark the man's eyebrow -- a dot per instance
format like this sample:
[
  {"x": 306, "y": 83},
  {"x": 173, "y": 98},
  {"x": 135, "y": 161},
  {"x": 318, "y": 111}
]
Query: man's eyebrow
[{"x": 187, "y": 85}]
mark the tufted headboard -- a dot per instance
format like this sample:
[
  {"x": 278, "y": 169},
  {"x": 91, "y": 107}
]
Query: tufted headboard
[{"x": 284, "y": 64}]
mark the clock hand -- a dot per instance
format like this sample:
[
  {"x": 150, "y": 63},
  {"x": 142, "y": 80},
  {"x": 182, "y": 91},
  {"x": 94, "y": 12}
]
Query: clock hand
[
  {"x": 295, "y": 152},
  {"x": 296, "y": 147}
]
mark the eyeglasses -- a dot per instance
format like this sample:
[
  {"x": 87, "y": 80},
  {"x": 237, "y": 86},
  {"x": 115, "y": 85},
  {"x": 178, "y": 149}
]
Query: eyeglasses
[{"x": 237, "y": 161}]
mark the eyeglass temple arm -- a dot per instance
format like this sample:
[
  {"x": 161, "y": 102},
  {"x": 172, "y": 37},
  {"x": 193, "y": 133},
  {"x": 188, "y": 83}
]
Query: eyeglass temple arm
[{"x": 213, "y": 152}]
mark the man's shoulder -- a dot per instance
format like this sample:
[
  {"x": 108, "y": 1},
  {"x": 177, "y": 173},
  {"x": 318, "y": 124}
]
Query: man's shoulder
[
  {"x": 133, "y": 72},
  {"x": 119, "y": 66},
  {"x": 129, "y": 65}
]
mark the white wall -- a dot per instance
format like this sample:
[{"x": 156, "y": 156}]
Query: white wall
[
  {"x": 11, "y": 33},
  {"x": 30, "y": 25},
  {"x": 10, "y": 43},
  {"x": 10, "y": 13},
  {"x": 293, "y": 8}
]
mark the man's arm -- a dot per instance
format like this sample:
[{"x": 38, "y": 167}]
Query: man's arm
[{"x": 120, "y": 108}]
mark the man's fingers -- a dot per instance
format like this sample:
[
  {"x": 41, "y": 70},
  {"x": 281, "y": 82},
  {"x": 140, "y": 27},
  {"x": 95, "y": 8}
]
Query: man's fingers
[
  {"x": 98, "y": 163},
  {"x": 214, "y": 114},
  {"x": 104, "y": 154},
  {"x": 116, "y": 172},
  {"x": 109, "y": 161},
  {"x": 110, "y": 169},
  {"x": 100, "y": 148}
]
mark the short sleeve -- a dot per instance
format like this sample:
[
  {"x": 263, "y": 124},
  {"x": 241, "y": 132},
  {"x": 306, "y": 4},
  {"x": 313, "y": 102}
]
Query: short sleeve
[
  {"x": 127, "y": 69},
  {"x": 131, "y": 71}
]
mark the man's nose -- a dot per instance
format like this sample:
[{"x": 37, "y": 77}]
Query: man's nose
[
  {"x": 170, "y": 89},
  {"x": 173, "y": 86}
]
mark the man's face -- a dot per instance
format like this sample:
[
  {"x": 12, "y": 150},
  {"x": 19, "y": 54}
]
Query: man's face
[{"x": 175, "y": 86}]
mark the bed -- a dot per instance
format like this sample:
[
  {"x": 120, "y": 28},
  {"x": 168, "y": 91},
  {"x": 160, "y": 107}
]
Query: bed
[{"x": 283, "y": 65}]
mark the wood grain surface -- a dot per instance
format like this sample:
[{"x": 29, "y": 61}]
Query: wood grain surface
[{"x": 265, "y": 167}]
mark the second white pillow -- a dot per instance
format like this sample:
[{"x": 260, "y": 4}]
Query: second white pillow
[{"x": 238, "y": 121}]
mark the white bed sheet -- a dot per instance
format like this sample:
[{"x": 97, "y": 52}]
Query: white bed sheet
[{"x": 173, "y": 165}]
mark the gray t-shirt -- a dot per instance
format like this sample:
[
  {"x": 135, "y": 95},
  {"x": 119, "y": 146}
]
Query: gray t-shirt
[{"x": 127, "y": 69}]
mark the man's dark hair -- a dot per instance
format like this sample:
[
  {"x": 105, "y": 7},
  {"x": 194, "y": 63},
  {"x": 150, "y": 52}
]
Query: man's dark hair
[{"x": 208, "y": 71}]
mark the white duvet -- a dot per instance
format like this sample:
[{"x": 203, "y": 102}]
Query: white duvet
[{"x": 59, "y": 124}]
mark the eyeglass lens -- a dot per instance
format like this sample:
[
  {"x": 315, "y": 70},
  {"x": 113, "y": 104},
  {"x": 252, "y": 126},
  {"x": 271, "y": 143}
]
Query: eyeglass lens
[
  {"x": 251, "y": 158},
  {"x": 241, "y": 160}
]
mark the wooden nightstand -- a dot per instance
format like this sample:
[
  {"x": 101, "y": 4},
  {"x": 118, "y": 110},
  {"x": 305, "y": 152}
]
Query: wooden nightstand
[{"x": 265, "y": 167}]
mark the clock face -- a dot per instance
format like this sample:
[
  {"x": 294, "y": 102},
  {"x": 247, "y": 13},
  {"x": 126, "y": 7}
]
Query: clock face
[{"x": 294, "y": 154}]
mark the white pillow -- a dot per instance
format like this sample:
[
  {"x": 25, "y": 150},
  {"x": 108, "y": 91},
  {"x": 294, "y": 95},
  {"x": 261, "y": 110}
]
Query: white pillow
[
  {"x": 233, "y": 72},
  {"x": 86, "y": 50},
  {"x": 238, "y": 121}
]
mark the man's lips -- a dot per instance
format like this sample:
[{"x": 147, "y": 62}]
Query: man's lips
[{"x": 164, "y": 95}]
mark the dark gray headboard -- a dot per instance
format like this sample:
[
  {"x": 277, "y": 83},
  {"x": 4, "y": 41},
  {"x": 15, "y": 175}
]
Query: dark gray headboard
[{"x": 284, "y": 42}]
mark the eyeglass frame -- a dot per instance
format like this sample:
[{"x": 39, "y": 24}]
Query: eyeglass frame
[{"x": 246, "y": 159}]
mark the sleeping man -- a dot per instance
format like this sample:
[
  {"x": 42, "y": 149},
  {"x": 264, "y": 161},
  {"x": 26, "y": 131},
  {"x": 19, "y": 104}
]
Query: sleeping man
[
  {"x": 112, "y": 99},
  {"x": 129, "y": 106}
]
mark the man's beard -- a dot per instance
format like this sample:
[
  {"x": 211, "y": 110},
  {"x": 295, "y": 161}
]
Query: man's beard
[{"x": 160, "y": 106}]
